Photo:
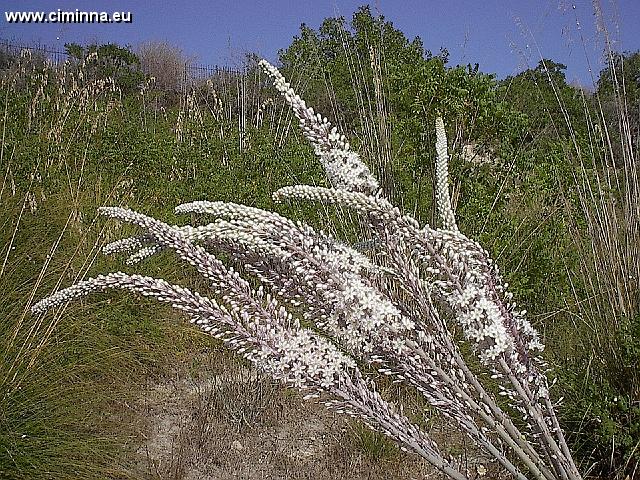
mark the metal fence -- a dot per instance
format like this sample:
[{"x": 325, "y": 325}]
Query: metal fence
[
  {"x": 236, "y": 95},
  {"x": 8, "y": 49},
  {"x": 189, "y": 73}
]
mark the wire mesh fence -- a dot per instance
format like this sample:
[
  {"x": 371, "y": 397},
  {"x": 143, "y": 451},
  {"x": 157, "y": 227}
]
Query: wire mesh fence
[
  {"x": 242, "y": 96},
  {"x": 10, "y": 50},
  {"x": 186, "y": 75}
]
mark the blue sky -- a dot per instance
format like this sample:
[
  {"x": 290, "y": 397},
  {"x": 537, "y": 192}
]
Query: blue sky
[{"x": 503, "y": 36}]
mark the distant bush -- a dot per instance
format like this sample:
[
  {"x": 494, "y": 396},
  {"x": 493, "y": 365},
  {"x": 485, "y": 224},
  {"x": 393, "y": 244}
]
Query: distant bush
[
  {"x": 108, "y": 61},
  {"x": 165, "y": 63}
]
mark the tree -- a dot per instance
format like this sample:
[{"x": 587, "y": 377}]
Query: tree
[
  {"x": 389, "y": 90},
  {"x": 543, "y": 94}
]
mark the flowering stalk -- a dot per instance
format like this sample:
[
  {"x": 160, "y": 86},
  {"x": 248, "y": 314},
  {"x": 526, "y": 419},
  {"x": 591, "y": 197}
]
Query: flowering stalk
[{"x": 322, "y": 305}]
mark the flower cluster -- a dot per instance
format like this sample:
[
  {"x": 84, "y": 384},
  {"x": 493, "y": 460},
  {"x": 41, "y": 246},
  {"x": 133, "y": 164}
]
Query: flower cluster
[
  {"x": 323, "y": 307},
  {"x": 442, "y": 179},
  {"x": 343, "y": 167}
]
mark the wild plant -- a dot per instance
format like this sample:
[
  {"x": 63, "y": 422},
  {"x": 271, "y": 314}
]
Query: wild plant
[
  {"x": 59, "y": 104},
  {"x": 427, "y": 307},
  {"x": 53, "y": 117}
]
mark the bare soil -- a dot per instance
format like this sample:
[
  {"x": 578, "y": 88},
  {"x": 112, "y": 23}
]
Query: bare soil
[{"x": 220, "y": 420}]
